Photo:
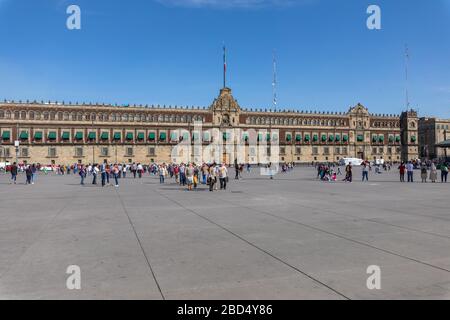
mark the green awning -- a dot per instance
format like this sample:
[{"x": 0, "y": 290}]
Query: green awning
[
  {"x": 413, "y": 139},
  {"x": 206, "y": 136},
  {"x": 345, "y": 138},
  {"x": 397, "y": 139},
  {"x": 141, "y": 136},
  {"x": 92, "y": 136},
  {"x": 391, "y": 139},
  {"x": 162, "y": 136},
  {"x": 307, "y": 138},
  {"x": 298, "y": 138},
  {"x": 331, "y": 138},
  {"x": 324, "y": 138},
  {"x": 117, "y": 136},
  {"x": 381, "y": 138},
  {"x": 360, "y": 138},
  {"x": 65, "y": 136},
  {"x": 6, "y": 135},
  {"x": 23, "y": 135},
  {"x": 288, "y": 137},
  {"x": 268, "y": 137},
  {"x": 151, "y": 136},
  {"x": 315, "y": 138},
  {"x": 79, "y": 136},
  {"x": 338, "y": 138},
  {"x": 173, "y": 136},
  {"x": 38, "y": 135},
  {"x": 225, "y": 136},
  {"x": 129, "y": 136},
  {"x": 245, "y": 136},
  {"x": 185, "y": 136},
  {"x": 104, "y": 136},
  {"x": 195, "y": 136},
  {"x": 374, "y": 139},
  {"x": 260, "y": 136},
  {"x": 52, "y": 135}
]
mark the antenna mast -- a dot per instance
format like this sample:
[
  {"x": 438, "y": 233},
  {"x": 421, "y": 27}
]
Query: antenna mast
[
  {"x": 274, "y": 83},
  {"x": 407, "y": 75}
]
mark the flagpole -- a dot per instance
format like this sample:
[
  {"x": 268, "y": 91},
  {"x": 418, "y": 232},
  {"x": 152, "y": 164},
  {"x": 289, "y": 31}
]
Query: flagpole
[
  {"x": 224, "y": 66},
  {"x": 407, "y": 75}
]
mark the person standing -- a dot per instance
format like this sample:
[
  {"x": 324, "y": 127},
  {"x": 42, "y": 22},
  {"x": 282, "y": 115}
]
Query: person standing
[
  {"x": 433, "y": 173},
  {"x": 365, "y": 172},
  {"x": 444, "y": 172},
  {"x": 410, "y": 171},
  {"x": 423, "y": 173},
  {"x": 33, "y": 173},
  {"x": 182, "y": 175},
  {"x": 133, "y": 170},
  {"x": 402, "y": 170},
  {"x": 115, "y": 172},
  {"x": 190, "y": 176},
  {"x": 124, "y": 171},
  {"x": 348, "y": 173},
  {"x": 82, "y": 174},
  {"x": 103, "y": 173},
  {"x": 162, "y": 173},
  {"x": 28, "y": 173},
  {"x": 14, "y": 173},
  {"x": 95, "y": 171},
  {"x": 212, "y": 179},
  {"x": 140, "y": 170},
  {"x": 223, "y": 176}
]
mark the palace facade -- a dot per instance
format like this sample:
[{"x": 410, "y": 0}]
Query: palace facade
[{"x": 66, "y": 133}]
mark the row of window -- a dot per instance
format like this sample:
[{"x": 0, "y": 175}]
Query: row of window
[
  {"x": 79, "y": 152},
  {"x": 86, "y": 135},
  {"x": 296, "y": 121},
  {"x": 101, "y": 117}
]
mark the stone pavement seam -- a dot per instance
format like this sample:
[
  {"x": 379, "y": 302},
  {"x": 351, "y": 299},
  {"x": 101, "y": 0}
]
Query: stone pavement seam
[
  {"x": 255, "y": 246},
  {"x": 346, "y": 238},
  {"x": 140, "y": 245}
]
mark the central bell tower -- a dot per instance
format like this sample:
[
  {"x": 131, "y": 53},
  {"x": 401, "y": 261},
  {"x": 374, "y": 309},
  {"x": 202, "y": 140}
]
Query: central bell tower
[{"x": 225, "y": 109}]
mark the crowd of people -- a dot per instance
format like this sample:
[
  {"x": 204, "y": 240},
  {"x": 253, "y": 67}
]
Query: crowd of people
[
  {"x": 428, "y": 171},
  {"x": 216, "y": 176}
]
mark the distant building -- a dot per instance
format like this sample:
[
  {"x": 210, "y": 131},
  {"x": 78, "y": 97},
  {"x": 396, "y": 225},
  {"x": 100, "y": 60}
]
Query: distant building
[
  {"x": 67, "y": 133},
  {"x": 433, "y": 131}
]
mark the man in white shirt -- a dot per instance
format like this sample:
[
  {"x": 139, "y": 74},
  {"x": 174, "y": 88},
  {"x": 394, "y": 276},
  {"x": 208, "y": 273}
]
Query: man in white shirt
[{"x": 410, "y": 171}]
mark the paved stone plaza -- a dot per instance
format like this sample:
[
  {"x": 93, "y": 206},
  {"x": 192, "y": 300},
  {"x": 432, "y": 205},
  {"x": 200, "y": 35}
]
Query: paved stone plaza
[{"x": 290, "y": 238}]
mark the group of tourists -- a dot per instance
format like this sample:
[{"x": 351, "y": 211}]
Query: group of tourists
[
  {"x": 106, "y": 172},
  {"x": 191, "y": 175},
  {"x": 30, "y": 171},
  {"x": 428, "y": 171}
]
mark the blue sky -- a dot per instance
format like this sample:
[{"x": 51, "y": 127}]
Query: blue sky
[{"x": 170, "y": 52}]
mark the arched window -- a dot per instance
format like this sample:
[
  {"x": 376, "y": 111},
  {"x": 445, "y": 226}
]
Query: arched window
[
  {"x": 60, "y": 116},
  {"x": 23, "y": 115},
  {"x": 37, "y": 115}
]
